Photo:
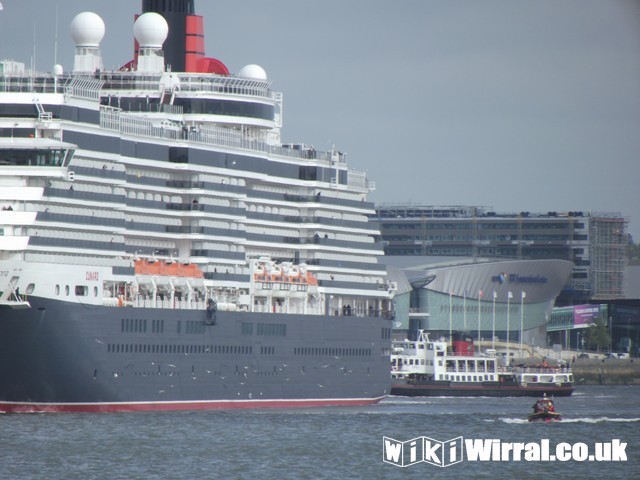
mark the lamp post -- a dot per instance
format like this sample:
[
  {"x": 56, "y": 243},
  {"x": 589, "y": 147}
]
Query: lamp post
[
  {"x": 464, "y": 311},
  {"x": 450, "y": 316},
  {"x": 522, "y": 296},
  {"x": 493, "y": 329},
  {"x": 509, "y": 297},
  {"x": 479, "y": 297},
  {"x": 578, "y": 344}
]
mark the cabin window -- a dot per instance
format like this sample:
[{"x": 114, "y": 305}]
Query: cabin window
[
  {"x": 95, "y": 291},
  {"x": 66, "y": 290},
  {"x": 81, "y": 290},
  {"x": 57, "y": 290}
]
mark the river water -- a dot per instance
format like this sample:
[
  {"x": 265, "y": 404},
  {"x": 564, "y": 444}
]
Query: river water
[{"x": 328, "y": 443}]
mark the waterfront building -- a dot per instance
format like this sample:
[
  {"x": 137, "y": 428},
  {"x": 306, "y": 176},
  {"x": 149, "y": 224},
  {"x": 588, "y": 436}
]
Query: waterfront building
[
  {"x": 594, "y": 241},
  {"x": 490, "y": 300}
]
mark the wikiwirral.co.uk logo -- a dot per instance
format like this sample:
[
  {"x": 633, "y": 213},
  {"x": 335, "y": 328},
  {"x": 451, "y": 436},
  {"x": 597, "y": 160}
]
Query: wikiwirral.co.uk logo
[{"x": 444, "y": 454}]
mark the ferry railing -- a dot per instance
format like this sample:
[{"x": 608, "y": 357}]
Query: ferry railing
[{"x": 541, "y": 370}]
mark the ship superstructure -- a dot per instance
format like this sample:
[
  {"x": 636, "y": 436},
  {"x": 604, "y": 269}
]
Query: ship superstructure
[{"x": 151, "y": 193}]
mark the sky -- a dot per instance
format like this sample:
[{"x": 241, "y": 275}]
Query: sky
[{"x": 517, "y": 105}]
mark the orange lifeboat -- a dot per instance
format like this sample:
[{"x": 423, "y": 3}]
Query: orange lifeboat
[
  {"x": 311, "y": 280},
  {"x": 171, "y": 269}
]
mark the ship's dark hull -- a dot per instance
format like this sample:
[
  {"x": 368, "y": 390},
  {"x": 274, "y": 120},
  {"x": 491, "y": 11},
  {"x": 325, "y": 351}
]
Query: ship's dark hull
[
  {"x": 58, "y": 356},
  {"x": 484, "y": 389}
]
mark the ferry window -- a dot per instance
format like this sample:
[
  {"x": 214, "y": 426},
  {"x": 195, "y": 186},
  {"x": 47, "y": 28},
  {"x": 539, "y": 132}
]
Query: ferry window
[
  {"x": 30, "y": 288},
  {"x": 81, "y": 290},
  {"x": 66, "y": 290},
  {"x": 95, "y": 291},
  {"x": 57, "y": 289}
]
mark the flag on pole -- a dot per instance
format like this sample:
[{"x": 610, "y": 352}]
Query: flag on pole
[
  {"x": 480, "y": 293},
  {"x": 495, "y": 295},
  {"x": 1, "y": 7},
  {"x": 524, "y": 295},
  {"x": 510, "y": 294}
]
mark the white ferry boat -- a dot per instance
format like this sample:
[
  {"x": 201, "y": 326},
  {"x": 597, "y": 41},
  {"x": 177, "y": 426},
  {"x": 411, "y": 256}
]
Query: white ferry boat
[{"x": 425, "y": 367}]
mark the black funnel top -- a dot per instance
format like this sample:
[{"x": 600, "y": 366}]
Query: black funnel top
[{"x": 175, "y": 13}]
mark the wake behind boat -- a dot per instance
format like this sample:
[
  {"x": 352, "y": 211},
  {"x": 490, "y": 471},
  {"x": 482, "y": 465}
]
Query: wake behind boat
[{"x": 425, "y": 367}]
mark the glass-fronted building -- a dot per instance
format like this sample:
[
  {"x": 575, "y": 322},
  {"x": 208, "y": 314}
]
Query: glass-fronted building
[
  {"x": 507, "y": 300},
  {"x": 594, "y": 242}
]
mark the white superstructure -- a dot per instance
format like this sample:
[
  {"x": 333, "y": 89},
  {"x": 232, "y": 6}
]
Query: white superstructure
[{"x": 102, "y": 171}]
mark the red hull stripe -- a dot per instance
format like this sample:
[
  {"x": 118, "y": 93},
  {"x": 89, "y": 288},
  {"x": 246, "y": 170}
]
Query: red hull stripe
[{"x": 11, "y": 407}]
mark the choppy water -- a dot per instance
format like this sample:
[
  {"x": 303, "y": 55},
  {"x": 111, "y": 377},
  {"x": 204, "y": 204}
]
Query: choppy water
[{"x": 330, "y": 443}]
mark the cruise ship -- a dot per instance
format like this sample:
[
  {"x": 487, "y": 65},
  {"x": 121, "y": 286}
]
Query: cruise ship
[{"x": 162, "y": 249}]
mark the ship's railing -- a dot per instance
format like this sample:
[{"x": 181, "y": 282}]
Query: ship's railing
[
  {"x": 84, "y": 87},
  {"x": 132, "y": 81},
  {"x": 542, "y": 370},
  {"x": 292, "y": 309},
  {"x": 131, "y": 124},
  {"x": 145, "y": 301},
  {"x": 232, "y": 85},
  {"x": 32, "y": 84},
  {"x": 191, "y": 82}
]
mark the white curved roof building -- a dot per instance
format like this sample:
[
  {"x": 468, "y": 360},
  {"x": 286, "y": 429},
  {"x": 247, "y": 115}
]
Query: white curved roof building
[{"x": 482, "y": 295}]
